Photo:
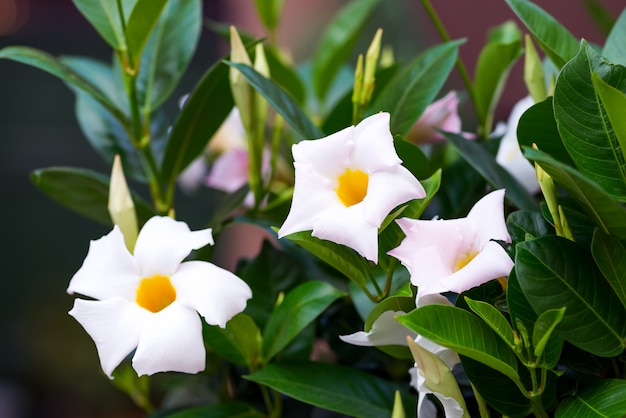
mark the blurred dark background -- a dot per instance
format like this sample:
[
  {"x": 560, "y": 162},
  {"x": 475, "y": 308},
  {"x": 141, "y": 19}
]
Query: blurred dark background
[{"x": 48, "y": 364}]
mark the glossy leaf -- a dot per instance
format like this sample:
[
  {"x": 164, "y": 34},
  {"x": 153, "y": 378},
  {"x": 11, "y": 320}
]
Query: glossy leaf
[
  {"x": 199, "y": 119},
  {"x": 615, "y": 47},
  {"x": 408, "y": 94},
  {"x": 522, "y": 224},
  {"x": 591, "y": 143},
  {"x": 554, "y": 272},
  {"x": 221, "y": 410},
  {"x": 494, "y": 318},
  {"x": 614, "y": 102},
  {"x": 140, "y": 24},
  {"x": 413, "y": 158},
  {"x": 168, "y": 52},
  {"x": 464, "y": 333},
  {"x": 282, "y": 103},
  {"x": 610, "y": 257},
  {"x": 485, "y": 164},
  {"x": 333, "y": 387},
  {"x": 338, "y": 41},
  {"x": 298, "y": 309},
  {"x": 608, "y": 214},
  {"x": 285, "y": 75},
  {"x": 544, "y": 327},
  {"x": 603, "y": 398},
  {"x": 555, "y": 40},
  {"x": 239, "y": 342},
  {"x": 83, "y": 191},
  {"x": 106, "y": 18}
]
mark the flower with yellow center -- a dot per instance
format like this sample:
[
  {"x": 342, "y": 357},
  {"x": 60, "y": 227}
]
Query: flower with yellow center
[
  {"x": 457, "y": 254},
  {"x": 149, "y": 301},
  {"x": 347, "y": 183}
]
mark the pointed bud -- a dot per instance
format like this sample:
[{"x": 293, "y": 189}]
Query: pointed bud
[
  {"x": 121, "y": 206},
  {"x": 533, "y": 72},
  {"x": 371, "y": 63},
  {"x": 549, "y": 194},
  {"x": 398, "y": 408},
  {"x": 241, "y": 89}
]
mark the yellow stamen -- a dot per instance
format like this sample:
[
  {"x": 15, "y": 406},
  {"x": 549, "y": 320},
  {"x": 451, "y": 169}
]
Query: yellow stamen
[
  {"x": 464, "y": 260},
  {"x": 352, "y": 187},
  {"x": 155, "y": 293}
]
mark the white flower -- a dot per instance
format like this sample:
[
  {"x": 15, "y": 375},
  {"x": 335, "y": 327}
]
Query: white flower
[
  {"x": 441, "y": 114},
  {"x": 509, "y": 154},
  {"x": 150, "y": 300},
  {"x": 456, "y": 255},
  {"x": 347, "y": 183}
]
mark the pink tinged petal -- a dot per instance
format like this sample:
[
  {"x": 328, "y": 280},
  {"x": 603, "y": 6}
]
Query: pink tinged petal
[
  {"x": 108, "y": 270},
  {"x": 163, "y": 243},
  {"x": 386, "y": 330},
  {"x": 171, "y": 341},
  {"x": 488, "y": 216},
  {"x": 229, "y": 172},
  {"x": 215, "y": 293},
  {"x": 441, "y": 114},
  {"x": 491, "y": 263},
  {"x": 114, "y": 325},
  {"x": 388, "y": 189},
  {"x": 328, "y": 156},
  {"x": 193, "y": 176},
  {"x": 373, "y": 144},
  {"x": 348, "y": 227}
]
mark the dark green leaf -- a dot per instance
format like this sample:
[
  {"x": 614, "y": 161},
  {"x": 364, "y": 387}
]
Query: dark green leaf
[
  {"x": 224, "y": 410},
  {"x": 614, "y": 102},
  {"x": 106, "y": 18},
  {"x": 602, "y": 208},
  {"x": 603, "y": 398},
  {"x": 408, "y": 94},
  {"x": 610, "y": 257},
  {"x": 555, "y": 40},
  {"x": 464, "y": 333},
  {"x": 298, "y": 309},
  {"x": 284, "y": 75},
  {"x": 615, "y": 46},
  {"x": 485, "y": 164},
  {"x": 494, "y": 318},
  {"x": 581, "y": 120},
  {"x": 239, "y": 342},
  {"x": 337, "y": 388},
  {"x": 140, "y": 24},
  {"x": 413, "y": 158},
  {"x": 554, "y": 272},
  {"x": 522, "y": 224},
  {"x": 338, "y": 41},
  {"x": 84, "y": 192}
]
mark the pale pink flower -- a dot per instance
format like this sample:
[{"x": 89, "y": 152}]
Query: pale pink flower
[
  {"x": 458, "y": 254},
  {"x": 347, "y": 183},
  {"x": 441, "y": 114}
]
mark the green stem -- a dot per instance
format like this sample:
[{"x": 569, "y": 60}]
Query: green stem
[{"x": 434, "y": 17}]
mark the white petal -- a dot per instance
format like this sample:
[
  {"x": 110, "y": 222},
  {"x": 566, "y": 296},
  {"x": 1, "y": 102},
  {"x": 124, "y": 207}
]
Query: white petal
[
  {"x": 348, "y": 227},
  {"x": 229, "y": 171},
  {"x": 386, "y": 330},
  {"x": 114, "y": 325},
  {"x": 215, "y": 293},
  {"x": 450, "y": 357},
  {"x": 171, "y": 341},
  {"x": 329, "y": 156},
  {"x": 488, "y": 216},
  {"x": 451, "y": 407},
  {"x": 388, "y": 189},
  {"x": 163, "y": 243},
  {"x": 108, "y": 270},
  {"x": 373, "y": 144}
]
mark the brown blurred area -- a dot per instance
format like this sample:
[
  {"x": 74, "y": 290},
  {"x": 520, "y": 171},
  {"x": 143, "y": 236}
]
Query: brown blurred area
[{"x": 48, "y": 365}]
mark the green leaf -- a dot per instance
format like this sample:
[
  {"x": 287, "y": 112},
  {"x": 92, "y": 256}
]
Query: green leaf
[
  {"x": 544, "y": 327},
  {"x": 84, "y": 192},
  {"x": 538, "y": 126},
  {"x": 615, "y": 47},
  {"x": 494, "y": 318},
  {"x": 554, "y": 272},
  {"x": 601, "y": 208},
  {"x": 106, "y": 18},
  {"x": 168, "y": 52},
  {"x": 140, "y": 24},
  {"x": 555, "y": 40},
  {"x": 336, "y": 388},
  {"x": 269, "y": 11},
  {"x": 464, "y": 333},
  {"x": 337, "y": 42},
  {"x": 222, "y": 410},
  {"x": 52, "y": 65},
  {"x": 342, "y": 258},
  {"x": 614, "y": 102},
  {"x": 492, "y": 69},
  {"x": 282, "y": 103},
  {"x": 485, "y": 164},
  {"x": 299, "y": 308},
  {"x": 408, "y": 94},
  {"x": 603, "y": 398},
  {"x": 285, "y": 75},
  {"x": 199, "y": 119},
  {"x": 610, "y": 257},
  {"x": 413, "y": 158},
  {"x": 239, "y": 342},
  {"x": 581, "y": 120},
  {"x": 522, "y": 224}
]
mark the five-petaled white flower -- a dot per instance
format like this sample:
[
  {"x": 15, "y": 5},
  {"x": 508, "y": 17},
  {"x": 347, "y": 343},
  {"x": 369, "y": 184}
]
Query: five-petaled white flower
[
  {"x": 457, "y": 254},
  {"x": 347, "y": 183},
  {"x": 150, "y": 300}
]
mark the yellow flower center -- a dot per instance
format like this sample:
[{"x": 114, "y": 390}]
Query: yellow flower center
[
  {"x": 352, "y": 187},
  {"x": 464, "y": 260},
  {"x": 155, "y": 293}
]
